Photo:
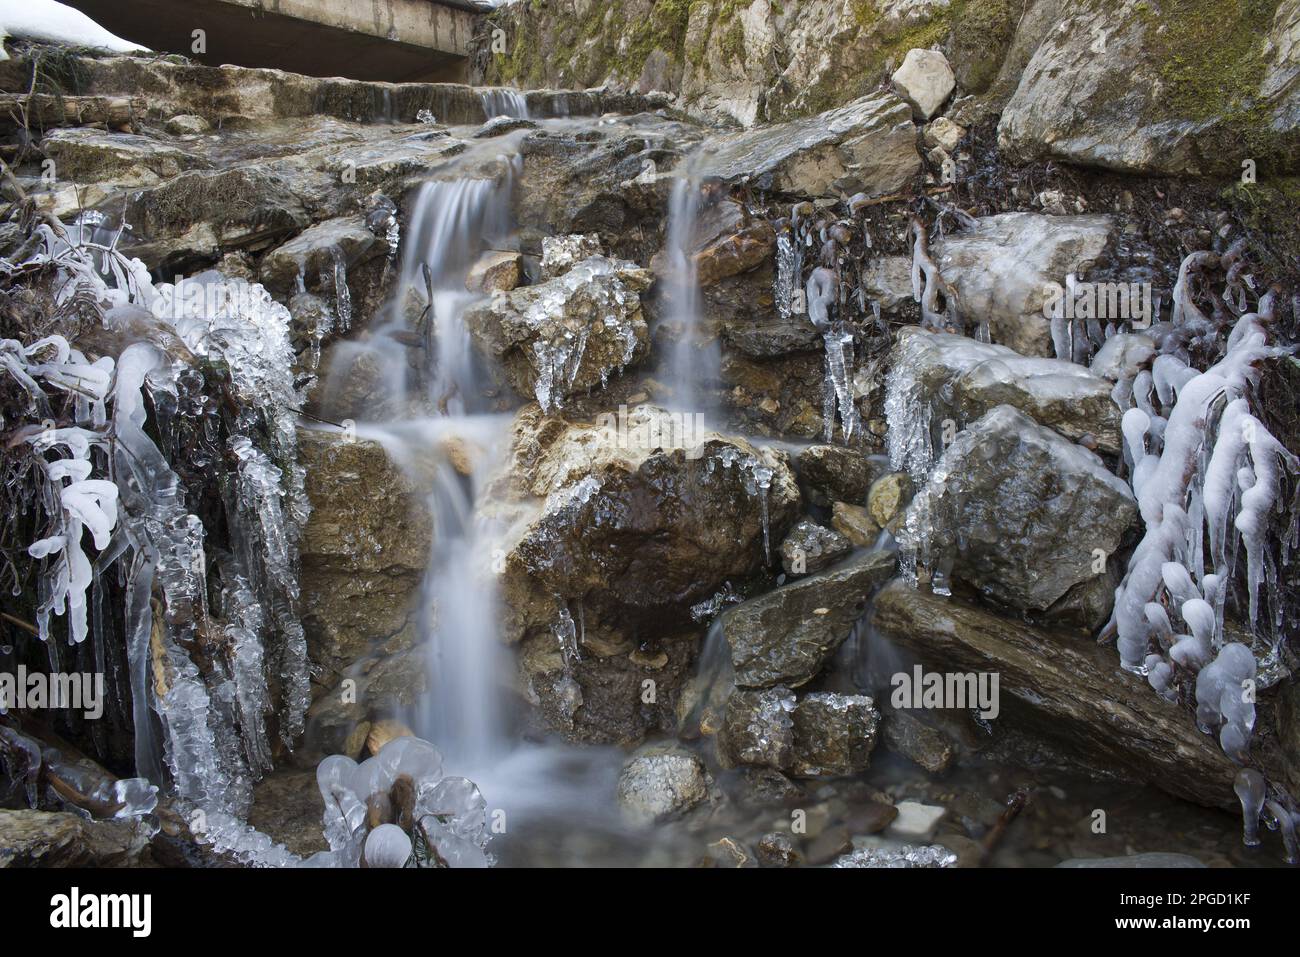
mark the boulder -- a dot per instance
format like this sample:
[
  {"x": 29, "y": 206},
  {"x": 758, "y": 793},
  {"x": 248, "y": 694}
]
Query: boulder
[
  {"x": 867, "y": 146},
  {"x": 785, "y": 636},
  {"x": 1023, "y": 516},
  {"x": 939, "y": 377},
  {"x": 888, "y": 496},
  {"x": 625, "y": 527},
  {"x": 924, "y": 80},
  {"x": 1003, "y": 267},
  {"x": 918, "y": 742},
  {"x": 568, "y": 335},
  {"x": 1066, "y": 688},
  {"x": 662, "y": 782}
]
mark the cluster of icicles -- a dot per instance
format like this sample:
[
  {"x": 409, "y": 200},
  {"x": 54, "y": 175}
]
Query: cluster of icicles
[
  {"x": 105, "y": 475},
  {"x": 1210, "y": 481}
]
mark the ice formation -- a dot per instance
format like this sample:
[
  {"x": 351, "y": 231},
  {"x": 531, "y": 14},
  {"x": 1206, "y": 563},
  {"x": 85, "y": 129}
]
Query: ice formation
[
  {"x": 141, "y": 417},
  {"x": 49, "y": 22},
  {"x": 399, "y": 801}
]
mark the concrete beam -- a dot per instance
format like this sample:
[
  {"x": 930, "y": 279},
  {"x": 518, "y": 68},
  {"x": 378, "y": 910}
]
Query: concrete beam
[{"x": 394, "y": 40}]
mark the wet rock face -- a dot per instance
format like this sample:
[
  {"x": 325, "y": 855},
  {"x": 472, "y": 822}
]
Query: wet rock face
[
  {"x": 785, "y": 636},
  {"x": 567, "y": 335},
  {"x": 867, "y": 146},
  {"x": 1025, "y": 517},
  {"x": 624, "y": 532},
  {"x": 1003, "y": 268},
  {"x": 1067, "y": 689},
  {"x": 364, "y": 551}
]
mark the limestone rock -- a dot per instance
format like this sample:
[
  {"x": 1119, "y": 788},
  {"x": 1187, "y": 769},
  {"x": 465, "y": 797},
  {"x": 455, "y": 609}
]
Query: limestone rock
[
  {"x": 61, "y": 839},
  {"x": 568, "y": 335},
  {"x": 1021, "y": 514},
  {"x": 924, "y": 80},
  {"x": 888, "y": 496},
  {"x": 1002, "y": 270},
  {"x": 785, "y": 636},
  {"x": 867, "y": 146},
  {"x": 811, "y": 547},
  {"x": 662, "y": 782},
  {"x": 1065, "y": 687}
]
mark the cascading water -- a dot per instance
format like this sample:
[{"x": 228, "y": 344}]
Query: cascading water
[
  {"x": 693, "y": 361},
  {"x": 502, "y": 101}
]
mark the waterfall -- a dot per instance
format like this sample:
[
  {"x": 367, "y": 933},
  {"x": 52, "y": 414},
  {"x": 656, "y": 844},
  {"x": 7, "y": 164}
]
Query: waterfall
[
  {"x": 693, "y": 361},
  {"x": 501, "y": 101}
]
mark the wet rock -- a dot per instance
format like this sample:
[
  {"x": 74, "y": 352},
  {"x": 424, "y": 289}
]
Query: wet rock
[
  {"x": 568, "y": 335},
  {"x": 833, "y": 473},
  {"x": 870, "y": 818},
  {"x": 364, "y": 549},
  {"x": 500, "y": 125},
  {"x": 727, "y": 240},
  {"x": 888, "y": 496},
  {"x": 1003, "y": 268},
  {"x": 867, "y": 146},
  {"x": 777, "y": 850},
  {"x": 834, "y": 734},
  {"x": 627, "y": 533},
  {"x": 1123, "y": 355},
  {"x": 943, "y": 133},
  {"x": 764, "y": 787},
  {"x": 1069, "y": 689},
  {"x": 1025, "y": 517},
  {"x": 855, "y": 523},
  {"x": 924, "y": 80},
  {"x": 311, "y": 253},
  {"x": 187, "y": 124},
  {"x": 811, "y": 547},
  {"x": 662, "y": 782},
  {"x": 816, "y": 735},
  {"x": 918, "y": 742},
  {"x": 287, "y": 806},
  {"x": 915, "y": 821},
  {"x": 562, "y": 253},
  {"x": 495, "y": 271},
  {"x": 61, "y": 839},
  {"x": 88, "y": 155},
  {"x": 786, "y": 635},
  {"x": 828, "y": 845},
  {"x": 757, "y": 729},
  {"x": 954, "y": 378}
]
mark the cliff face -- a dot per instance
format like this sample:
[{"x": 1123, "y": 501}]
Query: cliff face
[{"x": 1140, "y": 85}]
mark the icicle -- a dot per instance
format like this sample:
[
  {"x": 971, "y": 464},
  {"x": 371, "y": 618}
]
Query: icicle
[{"x": 1250, "y": 789}]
